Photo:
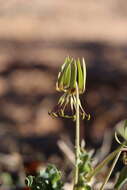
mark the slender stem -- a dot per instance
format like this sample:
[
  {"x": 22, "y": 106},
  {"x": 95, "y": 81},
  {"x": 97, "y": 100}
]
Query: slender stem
[
  {"x": 77, "y": 137},
  {"x": 111, "y": 169},
  {"x": 104, "y": 162}
]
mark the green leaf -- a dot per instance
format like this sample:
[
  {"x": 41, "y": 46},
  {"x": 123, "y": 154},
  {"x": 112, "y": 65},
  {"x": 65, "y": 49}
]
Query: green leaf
[
  {"x": 87, "y": 187},
  {"x": 85, "y": 163},
  {"x": 83, "y": 187},
  {"x": 122, "y": 179},
  {"x": 29, "y": 180},
  {"x": 49, "y": 179}
]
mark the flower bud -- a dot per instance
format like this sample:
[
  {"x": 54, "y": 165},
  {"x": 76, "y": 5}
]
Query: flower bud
[
  {"x": 72, "y": 71},
  {"x": 72, "y": 74}
]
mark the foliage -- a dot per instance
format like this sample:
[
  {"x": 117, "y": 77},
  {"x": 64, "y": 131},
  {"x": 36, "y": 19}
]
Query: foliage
[
  {"x": 84, "y": 167},
  {"x": 49, "y": 179}
]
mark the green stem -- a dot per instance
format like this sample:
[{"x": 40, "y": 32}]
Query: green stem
[
  {"x": 104, "y": 162},
  {"x": 77, "y": 138},
  {"x": 111, "y": 169}
]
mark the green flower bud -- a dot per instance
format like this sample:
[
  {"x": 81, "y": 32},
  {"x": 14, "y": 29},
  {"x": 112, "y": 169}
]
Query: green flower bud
[{"x": 72, "y": 71}]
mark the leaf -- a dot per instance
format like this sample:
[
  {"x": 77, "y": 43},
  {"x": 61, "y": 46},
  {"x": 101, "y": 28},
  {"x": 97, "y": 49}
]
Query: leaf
[
  {"x": 48, "y": 179},
  {"x": 122, "y": 179},
  {"x": 83, "y": 187},
  {"x": 29, "y": 180}
]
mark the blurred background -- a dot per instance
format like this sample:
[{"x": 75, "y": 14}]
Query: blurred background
[{"x": 35, "y": 38}]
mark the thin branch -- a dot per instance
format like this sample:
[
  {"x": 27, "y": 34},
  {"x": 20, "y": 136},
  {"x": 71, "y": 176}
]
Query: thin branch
[{"x": 111, "y": 170}]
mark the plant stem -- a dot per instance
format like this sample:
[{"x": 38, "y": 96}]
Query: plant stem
[
  {"x": 77, "y": 137},
  {"x": 111, "y": 169},
  {"x": 104, "y": 162}
]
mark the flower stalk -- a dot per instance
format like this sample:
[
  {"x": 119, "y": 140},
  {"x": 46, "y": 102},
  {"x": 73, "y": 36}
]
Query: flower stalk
[
  {"x": 71, "y": 81},
  {"x": 77, "y": 138}
]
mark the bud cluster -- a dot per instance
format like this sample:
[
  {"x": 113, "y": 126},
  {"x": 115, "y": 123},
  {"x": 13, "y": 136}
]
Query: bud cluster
[{"x": 72, "y": 74}]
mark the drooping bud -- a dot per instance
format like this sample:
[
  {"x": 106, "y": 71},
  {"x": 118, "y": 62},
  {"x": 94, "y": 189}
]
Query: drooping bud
[
  {"x": 72, "y": 71},
  {"x": 71, "y": 75}
]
